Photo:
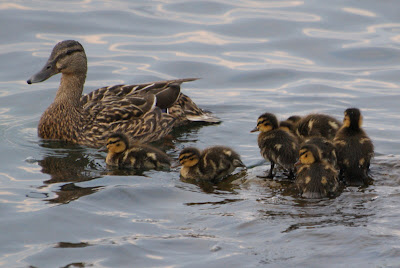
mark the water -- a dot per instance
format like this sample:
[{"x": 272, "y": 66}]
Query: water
[{"x": 60, "y": 205}]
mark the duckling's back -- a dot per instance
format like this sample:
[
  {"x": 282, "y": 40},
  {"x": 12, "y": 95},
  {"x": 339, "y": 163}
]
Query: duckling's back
[
  {"x": 143, "y": 157},
  {"x": 279, "y": 146},
  {"x": 219, "y": 161},
  {"x": 354, "y": 152},
  {"x": 317, "y": 180},
  {"x": 318, "y": 125}
]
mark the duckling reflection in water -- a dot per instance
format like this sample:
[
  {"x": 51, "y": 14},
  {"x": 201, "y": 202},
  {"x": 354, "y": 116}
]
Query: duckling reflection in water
[
  {"x": 315, "y": 178},
  {"x": 276, "y": 145},
  {"x": 354, "y": 149},
  {"x": 213, "y": 163},
  {"x": 136, "y": 156}
]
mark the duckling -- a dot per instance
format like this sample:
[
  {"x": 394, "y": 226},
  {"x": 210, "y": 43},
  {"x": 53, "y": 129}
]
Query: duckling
[
  {"x": 317, "y": 125},
  {"x": 136, "y": 156},
  {"x": 276, "y": 145},
  {"x": 141, "y": 111},
  {"x": 326, "y": 147},
  {"x": 294, "y": 119},
  {"x": 354, "y": 149},
  {"x": 213, "y": 163},
  {"x": 315, "y": 178}
]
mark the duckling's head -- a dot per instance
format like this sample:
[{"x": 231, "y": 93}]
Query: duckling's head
[
  {"x": 286, "y": 126},
  {"x": 117, "y": 143},
  {"x": 352, "y": 118},
  {"x": 309, "y": 154},
  {"x": 67, "y": 57},
  {"x": 294, "y": 119},
  {"x": 266, "y": 122},
  {"x": 189, "y": 157}
]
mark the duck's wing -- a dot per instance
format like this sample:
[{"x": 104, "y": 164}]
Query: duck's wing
[
  {"x": 113, "y": 108},
  {"x": 152, "y": 126},
  {"x": 186, "y": 111},
  {"x": 166, "y": 91}
]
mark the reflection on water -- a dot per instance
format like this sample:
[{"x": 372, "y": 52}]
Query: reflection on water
[{"x": 69, "y": 164}]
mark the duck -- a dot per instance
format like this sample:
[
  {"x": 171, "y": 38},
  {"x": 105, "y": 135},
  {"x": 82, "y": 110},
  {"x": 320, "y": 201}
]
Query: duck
[
  {"x": 321, "y": 125},
  {"x": 354, "y": 149},
  {"x": 315, "y": 177},
  {"x": 276, "y": 145},
  {"x": 212, "y": 164},
  {"x": 326, "y": 148},
  {"x": 140, "y": 111},
  {"x": 136, "y": 156}
]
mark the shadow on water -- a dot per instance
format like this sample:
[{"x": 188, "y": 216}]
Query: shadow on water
[{"x": 69, "y": 164}]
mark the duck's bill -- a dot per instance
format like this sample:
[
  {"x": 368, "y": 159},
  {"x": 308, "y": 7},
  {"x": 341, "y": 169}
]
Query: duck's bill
[
  {"x": 298, "y": 163},
  {"x": 254, "y": 130},
  {"x": 47, "y": 71},
  {"x": 103, "y": 149}
]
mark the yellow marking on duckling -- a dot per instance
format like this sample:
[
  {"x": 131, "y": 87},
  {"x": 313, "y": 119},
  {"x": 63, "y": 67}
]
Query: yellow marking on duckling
[
  {"x": 346, "y": 121},
  {"x": 340, "y": 142},
  {"x": 278, "y": 146},
  {"x": 308, "y": 179},
  {"x": 310, "y": 124},
  {"x": 324, "y": 180},
  {"x": 294, "y": 146},
  {"x": 132, "y": 160},
  {"x": 346, "y": 162},
  {"x": 362, "y": 140},
  {"x": 333, "y": 124},
  {"x": 361, "y": 162},
  {"x": 152, "y": 156},
  {"x": 285, "y": 128},
  {"x": 227, "y": 152}
]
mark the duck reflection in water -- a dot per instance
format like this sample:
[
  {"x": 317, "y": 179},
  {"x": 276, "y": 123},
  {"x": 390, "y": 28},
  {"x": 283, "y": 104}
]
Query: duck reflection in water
[{"x": 69, "y": 164}]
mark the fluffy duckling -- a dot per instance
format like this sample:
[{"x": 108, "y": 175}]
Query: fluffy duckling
[
  {"x": 276, "y": 145},
  {"x": 317, "y": 125},
  {"x": 315, "y": 178},
  {"x": 290, "y": 124},
  {"x": 213, "y": 163},
  {"x": 137, "y": 156},
  {"x": 354, "y": 149},
  {"x": 326, "y": 147}
]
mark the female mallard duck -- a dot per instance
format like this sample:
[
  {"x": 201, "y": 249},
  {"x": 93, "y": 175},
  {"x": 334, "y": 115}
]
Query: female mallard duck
[
  {"x": 212, "y": 164},
  {"x": 132, "y": 109},
  {"x": 326, "y": 147},
  {"x": 276, "y": 145},
  {"x": 317, "y": 125},
  {"x": 354, "y": 149},
  {"x": 136, "y": 156},
  {"x": 315, "y": 178}
]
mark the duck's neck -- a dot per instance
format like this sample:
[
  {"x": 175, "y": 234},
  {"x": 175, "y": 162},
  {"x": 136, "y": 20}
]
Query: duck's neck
[{"x": 70, "y": 89}]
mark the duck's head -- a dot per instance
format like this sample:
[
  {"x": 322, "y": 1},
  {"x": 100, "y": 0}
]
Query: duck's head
[
  {"x": 117, "y": 143},
  {"x": 67, "y": 57},
  {"x": 309, "y": 154},
  {"x": 352, "y": 118},
  {"x": 189, "y": 157},
  {"x": 266, "y": 122}
]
